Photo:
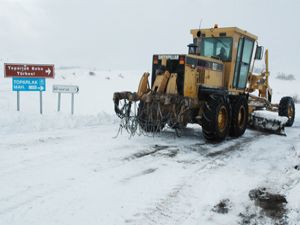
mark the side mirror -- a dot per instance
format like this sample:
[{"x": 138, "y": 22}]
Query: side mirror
[{"x": 259, "y": 52}]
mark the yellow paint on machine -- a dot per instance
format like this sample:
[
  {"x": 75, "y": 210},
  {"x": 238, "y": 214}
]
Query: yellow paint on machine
[
  {"x": 190, "y": 87},
  {"x": 172, "y": 85}
]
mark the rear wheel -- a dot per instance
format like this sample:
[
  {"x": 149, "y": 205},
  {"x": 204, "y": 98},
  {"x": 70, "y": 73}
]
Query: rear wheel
[
  {"x": 216, "y": 119},
  {"x": 287, "y": 108},
  {"x": 239, "y": 116}
]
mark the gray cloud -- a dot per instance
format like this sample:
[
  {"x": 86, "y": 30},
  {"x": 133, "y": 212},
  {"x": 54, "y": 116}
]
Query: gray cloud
[{"x": 120, "y": 34}]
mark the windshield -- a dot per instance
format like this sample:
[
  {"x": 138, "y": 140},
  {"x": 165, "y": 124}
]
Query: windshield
[{"x": 217, "y": 47}]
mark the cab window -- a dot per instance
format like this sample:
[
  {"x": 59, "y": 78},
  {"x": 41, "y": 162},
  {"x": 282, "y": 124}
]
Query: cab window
[
  {"x": 217, "y": 47},
  {"x": 242, "y": 64}
]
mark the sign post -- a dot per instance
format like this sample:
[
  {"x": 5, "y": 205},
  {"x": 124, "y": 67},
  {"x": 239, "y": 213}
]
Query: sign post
[
  {"x": 72, "y": 104},
  {"x": 58, "y": 102},
  {"x": 68, "y": 89},
  {"x": 41, "y": 102},
  {"x": 29, "y": 77},
  {"x": 29, "y": 84},
  {"x": 18, "y": 101}
]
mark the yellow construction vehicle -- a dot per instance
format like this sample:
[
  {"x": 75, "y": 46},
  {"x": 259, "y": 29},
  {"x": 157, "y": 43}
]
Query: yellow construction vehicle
[{"x": 212, "y": 86}]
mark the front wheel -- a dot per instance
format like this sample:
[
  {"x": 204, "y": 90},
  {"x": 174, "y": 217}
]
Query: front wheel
[
  {"x": 216, "y": 119},
  {"x": 287, "y": 108}
]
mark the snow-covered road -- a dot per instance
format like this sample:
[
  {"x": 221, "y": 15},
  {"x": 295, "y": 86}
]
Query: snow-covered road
[
  {"x": 85, "y": 176},
  {"x": 70, "y": 170}
]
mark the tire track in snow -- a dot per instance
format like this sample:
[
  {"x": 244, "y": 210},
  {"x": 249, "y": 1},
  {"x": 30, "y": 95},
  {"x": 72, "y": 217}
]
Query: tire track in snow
[
  {"x": 175, "y": 208},
  {"x": 210, "y": 156},
  {"x": 25, "y": 196}
]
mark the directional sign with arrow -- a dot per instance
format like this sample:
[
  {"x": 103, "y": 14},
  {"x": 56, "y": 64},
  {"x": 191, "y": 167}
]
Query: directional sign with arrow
[
  {"x": 29, "y": 70},
  {"x": 65, "y": 89},
  {"x": 48, "y": 71},
  {"x": 28, "y": 84}
]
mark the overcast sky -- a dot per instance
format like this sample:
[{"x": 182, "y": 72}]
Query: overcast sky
[{"x": 124, "y": 34}]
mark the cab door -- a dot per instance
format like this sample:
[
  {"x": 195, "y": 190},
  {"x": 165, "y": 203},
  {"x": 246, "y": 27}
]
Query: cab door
[{"x": 242, "y": 65}]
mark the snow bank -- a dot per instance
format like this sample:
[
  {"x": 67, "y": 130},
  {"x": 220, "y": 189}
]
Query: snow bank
[
  {"x": 93, "y": 103},
  {"x": 27, "y": 122}
]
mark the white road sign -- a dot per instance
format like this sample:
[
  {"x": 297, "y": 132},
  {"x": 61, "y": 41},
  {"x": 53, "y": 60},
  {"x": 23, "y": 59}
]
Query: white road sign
[{"x": 65, "y": 89}]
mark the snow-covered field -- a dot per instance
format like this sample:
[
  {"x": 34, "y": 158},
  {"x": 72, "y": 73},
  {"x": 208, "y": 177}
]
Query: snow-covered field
[{"x": 61, "y": 169}]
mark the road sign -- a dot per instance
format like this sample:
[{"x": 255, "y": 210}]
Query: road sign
[
  {"x": 65, "y": 89},
  {"x": 29, "y": 70},
  {"x": 69, "y": 89},
  {"x": 28, "y": 84}
]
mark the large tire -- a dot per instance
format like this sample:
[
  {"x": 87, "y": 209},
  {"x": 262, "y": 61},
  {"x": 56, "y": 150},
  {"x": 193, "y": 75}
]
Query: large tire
[
  {"x": 216, "y": 119},
  {"x": 146, "y": 123},
  {"x": 287, "y": 108},
  {"x": 239, "y": 107}
]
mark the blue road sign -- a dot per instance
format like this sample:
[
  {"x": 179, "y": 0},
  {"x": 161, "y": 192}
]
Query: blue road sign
[{"x": 28, "y": 84}]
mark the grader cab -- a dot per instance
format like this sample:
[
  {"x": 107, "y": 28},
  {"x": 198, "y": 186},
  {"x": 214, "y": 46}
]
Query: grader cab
[{"x": 212, "y": 86}]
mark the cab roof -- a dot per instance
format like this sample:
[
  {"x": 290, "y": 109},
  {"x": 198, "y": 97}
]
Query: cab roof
[{"x": 223, "y": 31}]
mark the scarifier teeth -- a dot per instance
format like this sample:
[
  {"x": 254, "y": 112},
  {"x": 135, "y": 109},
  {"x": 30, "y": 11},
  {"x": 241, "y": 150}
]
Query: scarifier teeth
[{"x": 265, "y": 124}]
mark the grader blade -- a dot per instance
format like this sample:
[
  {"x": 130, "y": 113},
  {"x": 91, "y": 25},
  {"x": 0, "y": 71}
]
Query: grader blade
[{"x": 268, "y": 122}]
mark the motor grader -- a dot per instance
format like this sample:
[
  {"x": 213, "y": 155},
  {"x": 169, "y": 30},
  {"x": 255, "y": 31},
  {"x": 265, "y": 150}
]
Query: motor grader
[{"x": 213, "y": 86}]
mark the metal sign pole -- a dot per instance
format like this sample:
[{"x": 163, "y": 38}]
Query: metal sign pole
[
  {"x": 18, "y": 101},
  {"x": 41, "y": 102},
  {"x": 58, "y": 102},
  {"x": 65, "y": 89},
  {"x": 72, "y": 104}
]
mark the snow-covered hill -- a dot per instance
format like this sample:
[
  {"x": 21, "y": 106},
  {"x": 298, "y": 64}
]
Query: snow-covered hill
[
  {"x": 57, "y": 168},
  {"x": 93, "y": 103}
]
